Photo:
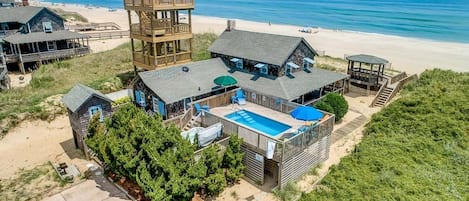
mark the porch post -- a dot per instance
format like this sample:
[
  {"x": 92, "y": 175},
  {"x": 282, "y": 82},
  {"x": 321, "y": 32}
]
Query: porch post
[{"x": 21, "y": 65}]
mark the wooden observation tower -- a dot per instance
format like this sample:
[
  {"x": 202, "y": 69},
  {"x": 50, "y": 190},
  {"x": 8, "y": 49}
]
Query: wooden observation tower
[{"x": 162, "y": 37}]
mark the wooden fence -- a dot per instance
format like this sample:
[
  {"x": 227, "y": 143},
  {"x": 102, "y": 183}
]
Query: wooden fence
[
  {"x": 181, "y": 120},
  {"x": 398, "y": 77},
  {"x": 402, "y": 83}
]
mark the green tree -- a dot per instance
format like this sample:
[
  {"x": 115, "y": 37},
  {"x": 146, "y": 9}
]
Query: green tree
[
  {"x": 141, "y": 148},
  {"x": 233, "y": 160},
  {"x": 335, "y": 103}
]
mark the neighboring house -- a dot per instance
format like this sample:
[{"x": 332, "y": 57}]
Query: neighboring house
[
  {"x": 82, "y": 103},
  {"x": 13, "y": 3},
  {"x": 30, "y": 35},
  {"x": 267, "y": 55}
]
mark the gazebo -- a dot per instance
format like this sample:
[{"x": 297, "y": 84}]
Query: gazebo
[{"x": 366, "y": 70}]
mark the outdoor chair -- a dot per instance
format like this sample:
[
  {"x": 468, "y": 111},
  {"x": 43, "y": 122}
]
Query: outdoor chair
[
  {"x": 199, "y": 108},
  {"x": 239, "y": 98}
]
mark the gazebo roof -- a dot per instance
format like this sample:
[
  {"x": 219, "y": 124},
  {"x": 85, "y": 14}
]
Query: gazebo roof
[{"x": 369, "y": 59}]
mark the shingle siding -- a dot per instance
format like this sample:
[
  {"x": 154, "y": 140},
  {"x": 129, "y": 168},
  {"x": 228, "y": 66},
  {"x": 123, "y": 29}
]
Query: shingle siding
[
  {"x": 80, "y": 120},
  {"x": 46, "y": 16}
]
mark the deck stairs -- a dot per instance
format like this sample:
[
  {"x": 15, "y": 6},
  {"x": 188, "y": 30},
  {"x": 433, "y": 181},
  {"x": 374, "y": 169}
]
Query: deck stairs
[
  {"x": 384, "y": 97},
  {"x": 192, "y": 123}
]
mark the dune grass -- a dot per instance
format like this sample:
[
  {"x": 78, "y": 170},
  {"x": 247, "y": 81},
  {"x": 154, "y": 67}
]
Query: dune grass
[
  {"x": 59, "y": 77},
  {"x": 417, "y": 148},
  {"x": 106, "y": 71}
]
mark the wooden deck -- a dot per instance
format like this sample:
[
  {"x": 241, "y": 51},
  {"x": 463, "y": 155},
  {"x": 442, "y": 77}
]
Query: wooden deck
[
  {"x": 49, "y": 55},
  {"x": 158, "y": 28},
  {"x": 149, "y": 62},
  {"x": 147, "y": 5}
]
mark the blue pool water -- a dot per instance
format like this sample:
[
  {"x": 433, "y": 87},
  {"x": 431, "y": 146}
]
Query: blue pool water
[
  {"x": 258, "y": 122},
  {"x": 446, "y": 20}
]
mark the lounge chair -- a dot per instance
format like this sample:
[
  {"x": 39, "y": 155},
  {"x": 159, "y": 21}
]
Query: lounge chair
[
  {"x": 239, "y": 98},
  {"x": 199, "y": 109}
]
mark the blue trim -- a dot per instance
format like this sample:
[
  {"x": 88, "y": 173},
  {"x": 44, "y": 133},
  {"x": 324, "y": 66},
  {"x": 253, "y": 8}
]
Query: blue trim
[{"x": 95, "y": 109}]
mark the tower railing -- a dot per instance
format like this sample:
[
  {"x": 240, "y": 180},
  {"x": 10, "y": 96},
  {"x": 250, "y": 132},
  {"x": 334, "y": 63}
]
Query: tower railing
[{"x": 157, "y": 3}]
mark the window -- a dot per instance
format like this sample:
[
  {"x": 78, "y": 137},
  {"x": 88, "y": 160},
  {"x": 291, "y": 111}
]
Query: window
[
  {"x": 140, "y": 98},
  {"x": 47, "y": 27},
  {"x": 94, "y": 110},
  {"x": 50, "y": 45}
]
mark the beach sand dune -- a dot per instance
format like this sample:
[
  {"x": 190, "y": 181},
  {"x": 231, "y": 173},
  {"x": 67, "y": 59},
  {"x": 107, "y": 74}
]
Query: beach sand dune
[{"x": 408, "y": 54}]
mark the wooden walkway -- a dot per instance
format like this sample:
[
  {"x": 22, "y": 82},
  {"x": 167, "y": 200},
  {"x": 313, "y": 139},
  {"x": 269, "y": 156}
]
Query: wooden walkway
[{"x": 348, "y": 128}]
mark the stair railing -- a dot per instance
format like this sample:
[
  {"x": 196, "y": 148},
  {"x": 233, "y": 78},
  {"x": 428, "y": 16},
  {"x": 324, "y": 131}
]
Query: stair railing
[{"x": 379, "y": 93}]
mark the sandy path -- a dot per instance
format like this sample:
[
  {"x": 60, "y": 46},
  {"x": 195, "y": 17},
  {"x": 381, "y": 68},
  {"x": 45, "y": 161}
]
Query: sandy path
[{"x": 35, "y": 142}]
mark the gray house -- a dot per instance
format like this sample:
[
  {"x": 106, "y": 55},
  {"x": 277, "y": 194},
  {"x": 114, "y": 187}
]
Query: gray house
[
  {"x": 82, "y": 103},
  {"x": 30, "y": 35},
  {"x": 263, "y": 54}
]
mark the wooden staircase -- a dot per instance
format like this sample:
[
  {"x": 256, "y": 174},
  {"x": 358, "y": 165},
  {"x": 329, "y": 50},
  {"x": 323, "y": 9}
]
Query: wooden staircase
[
  {"x": 190, "y": 124},
  {"x": 384, "y": 97}
]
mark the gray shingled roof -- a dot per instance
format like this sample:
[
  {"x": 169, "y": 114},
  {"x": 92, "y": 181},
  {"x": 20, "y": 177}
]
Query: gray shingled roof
[
  {"x": 19, "y": 14},
  {"x": 369, "y": 59},
  {"x": 173, "y": 84},
  {"x": 289, "y": 88},
  {"x": 20, "y": 38},
  {"x": 262, "y": 47},
  {"x": 78, "y": 95}
]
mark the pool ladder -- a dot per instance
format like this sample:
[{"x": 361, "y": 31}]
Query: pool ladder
[{"x": 246, "y": 117}]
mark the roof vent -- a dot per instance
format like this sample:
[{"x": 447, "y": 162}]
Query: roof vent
[{"x": 185, "y": 69}]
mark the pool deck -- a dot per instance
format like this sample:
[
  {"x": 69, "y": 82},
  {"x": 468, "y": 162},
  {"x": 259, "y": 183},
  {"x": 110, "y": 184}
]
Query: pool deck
[{"x": 266, "y": 112}]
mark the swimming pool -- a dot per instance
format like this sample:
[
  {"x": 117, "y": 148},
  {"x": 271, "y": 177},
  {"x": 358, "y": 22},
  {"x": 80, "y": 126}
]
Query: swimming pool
[{"x": 258, "y": 122}]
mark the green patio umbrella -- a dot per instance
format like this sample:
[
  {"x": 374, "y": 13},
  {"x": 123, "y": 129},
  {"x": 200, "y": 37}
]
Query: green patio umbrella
[{"x": 225, "y": 80}]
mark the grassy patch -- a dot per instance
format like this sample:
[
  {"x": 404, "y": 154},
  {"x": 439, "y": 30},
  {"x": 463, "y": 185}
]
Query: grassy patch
[
  {"x": 201, "y": 44},
  {"x": 289, "y": 192},
  {"x": 32, "y": 184},
  {"x": 100, "y": 70},
  {"x": 70, "y": 16},
  {"x": 417, "y": 148}
]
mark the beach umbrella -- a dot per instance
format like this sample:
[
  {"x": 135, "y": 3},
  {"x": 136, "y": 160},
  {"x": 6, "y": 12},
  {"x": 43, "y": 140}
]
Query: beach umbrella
[
  {"x": 225, "y": 80},
  {"x": 306, "y": 113}
]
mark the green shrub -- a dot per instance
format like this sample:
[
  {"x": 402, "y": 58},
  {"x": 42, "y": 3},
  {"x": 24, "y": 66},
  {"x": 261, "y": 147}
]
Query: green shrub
[
  {"x": 288, "y": 193},
  {"x": 324, "y": 107},
  {"x": 334, "y": 103},
  {"x": 215, "y": 183},
  {"x": 233, "y": 160}
]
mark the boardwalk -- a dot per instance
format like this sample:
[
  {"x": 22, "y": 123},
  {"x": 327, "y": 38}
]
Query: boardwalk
[{"x": 348, "y": 128}]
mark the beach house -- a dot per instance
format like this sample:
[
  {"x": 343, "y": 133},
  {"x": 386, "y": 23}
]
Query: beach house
[
  {"x": 274, "y": 74},
  {"x": 32, "y": 35},
  {"x": 82, "y": 103},
  {"x": 163, "y": 34}
]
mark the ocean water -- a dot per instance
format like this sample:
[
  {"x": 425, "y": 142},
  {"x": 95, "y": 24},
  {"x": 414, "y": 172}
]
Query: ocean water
[{"x": 443, "y": 20}]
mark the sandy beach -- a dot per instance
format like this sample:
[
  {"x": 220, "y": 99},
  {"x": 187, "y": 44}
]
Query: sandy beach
[{"x": 408, "y": 54}]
